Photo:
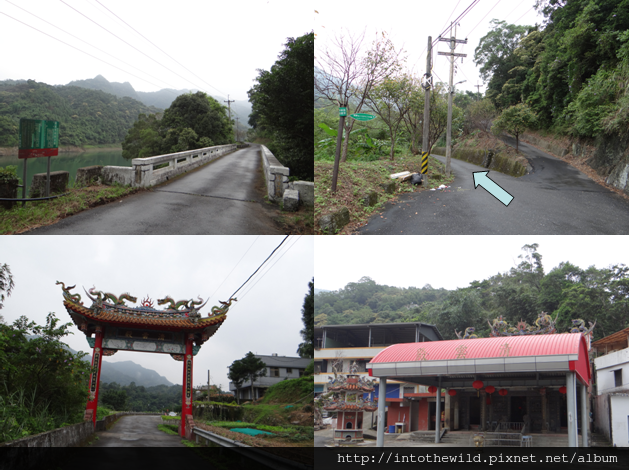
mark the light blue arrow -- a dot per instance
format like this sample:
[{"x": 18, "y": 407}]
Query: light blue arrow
[{"x": 481, "y": 178}]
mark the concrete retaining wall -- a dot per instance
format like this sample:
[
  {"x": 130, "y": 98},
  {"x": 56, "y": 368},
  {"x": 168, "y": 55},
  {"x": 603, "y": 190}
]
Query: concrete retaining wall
[
  {"x": 58, "y": 183},
  {"x": 486, "y": 159}
]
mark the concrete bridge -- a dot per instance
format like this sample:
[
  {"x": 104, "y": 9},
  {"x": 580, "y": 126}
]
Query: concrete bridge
[{"x": 216, "y": 190}]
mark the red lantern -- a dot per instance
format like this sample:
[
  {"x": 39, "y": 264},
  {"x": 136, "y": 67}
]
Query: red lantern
[
  {"x": 488, "y": 401},
  {"x": 563, "y": 390},
  {"x": 502, "y": 392},
  {"x": 452, "y": 392},
  {"x": 490, "y": 389},
  {"x": 477, "y": 384},
  {"x": 432, "y": 389}
]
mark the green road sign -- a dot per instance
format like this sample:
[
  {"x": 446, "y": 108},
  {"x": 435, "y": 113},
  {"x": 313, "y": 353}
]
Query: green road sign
[
  {"x": 363, "y": 117},
  {"x": 38, "y": 138},
  {"x": 342, "y": 111}
]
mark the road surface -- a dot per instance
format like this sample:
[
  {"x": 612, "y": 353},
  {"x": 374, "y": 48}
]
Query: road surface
[
  {"x": 225, "y": 197},
  {"x": 137, "y": 431},
  {"x": 553, "y": 199}
]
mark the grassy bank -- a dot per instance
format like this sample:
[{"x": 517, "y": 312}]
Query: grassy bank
[
  {"x": 359, "y": 178},
  {"x": 37, "y": 214}
]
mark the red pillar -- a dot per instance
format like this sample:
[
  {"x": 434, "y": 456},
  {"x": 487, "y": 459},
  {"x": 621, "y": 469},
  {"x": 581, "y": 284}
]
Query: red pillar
[
  {"x": 97, "y": 357},
  {"x": 186, "y": 399}
]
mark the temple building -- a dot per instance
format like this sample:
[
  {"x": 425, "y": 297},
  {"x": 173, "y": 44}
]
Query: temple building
[{"x": 110, "y": 325}]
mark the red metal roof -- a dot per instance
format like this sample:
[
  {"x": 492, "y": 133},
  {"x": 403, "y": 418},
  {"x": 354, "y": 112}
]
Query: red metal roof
[{"x": 456, "y": 352}]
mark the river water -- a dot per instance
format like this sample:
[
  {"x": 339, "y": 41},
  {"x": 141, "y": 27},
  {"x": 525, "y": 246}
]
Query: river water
[{"x": 69, "y": 162}]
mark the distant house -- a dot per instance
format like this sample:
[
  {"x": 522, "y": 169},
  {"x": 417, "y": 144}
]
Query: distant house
[
  {"x": 612, "y": 379},
  {"x": 278, "y": 368}
]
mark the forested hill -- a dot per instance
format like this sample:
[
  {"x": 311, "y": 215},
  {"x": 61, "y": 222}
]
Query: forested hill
[
  {"x": 86, "y": 116},
  {"x": 160, "y": 99},
  {"x": 573, "y": 71},
  {"x": 566, "y": 292}
]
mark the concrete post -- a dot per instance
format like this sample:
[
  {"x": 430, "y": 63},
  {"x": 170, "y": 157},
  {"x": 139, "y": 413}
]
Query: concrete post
[
  {"x": 382, "y": 400},
  {"x": 571, "y": 399},
  {"x": 585, "y": 417},
  {"x": 438, "y": 414}
]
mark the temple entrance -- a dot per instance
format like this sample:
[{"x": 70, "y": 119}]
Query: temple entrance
[
  {"x": 518, "y": 409},
  {"x": 110, "y": 325},
  {"x": 474, "y": 411}
]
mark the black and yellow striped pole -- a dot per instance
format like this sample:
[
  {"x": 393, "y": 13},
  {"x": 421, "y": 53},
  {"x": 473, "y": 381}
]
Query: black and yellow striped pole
[{"x": 424, "y": 163}]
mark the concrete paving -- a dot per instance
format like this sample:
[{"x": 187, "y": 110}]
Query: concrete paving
[
  {"x": 225, "y": 197},
  {"x": 136, "y": 431},
  {"x": 554, "y": 198}
]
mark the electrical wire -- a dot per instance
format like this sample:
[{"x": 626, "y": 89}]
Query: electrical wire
[
  {"x": 511, "y": 12},
  {"x": 468, "y": 34},
  {"x": 227, "y": 277},
  {"x": 276, "y": 248},
  {"x": 460, "y": 17},
  {"x": 91, "y": 45},
  {"x": 524, "y": 14},
  {"x": 132, "y": 46},
  {"x": 172, "y": 58},
  {"x": 269, "y": 269},
  {"x": 86, "y": 53}
]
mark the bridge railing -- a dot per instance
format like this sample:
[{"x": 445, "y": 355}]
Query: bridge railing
[
  {"x": 150, "y": 171},
  {"x": 279, "y": 188}
]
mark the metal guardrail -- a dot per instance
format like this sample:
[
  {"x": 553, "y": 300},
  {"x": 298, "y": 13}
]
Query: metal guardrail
[{"x": 265, "y": 458}]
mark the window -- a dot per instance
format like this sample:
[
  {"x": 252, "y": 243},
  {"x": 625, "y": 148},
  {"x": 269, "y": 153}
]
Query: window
[
  {"x": 275, "y": 371},
  {"x": 618, "y": 378},
  {"x": 409, "y": 390},
  {"x": 289, "y": 370},
  {"x": 301, "y": 372}
]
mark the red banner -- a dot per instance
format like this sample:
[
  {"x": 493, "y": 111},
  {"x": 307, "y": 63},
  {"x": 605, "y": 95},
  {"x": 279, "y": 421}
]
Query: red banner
[{"x": 33, "y": 153}]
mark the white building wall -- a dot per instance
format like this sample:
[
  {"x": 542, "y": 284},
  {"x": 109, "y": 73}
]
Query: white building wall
[
  {"x": 605, "y": 367},
  {"x": 620, "y": 420}
]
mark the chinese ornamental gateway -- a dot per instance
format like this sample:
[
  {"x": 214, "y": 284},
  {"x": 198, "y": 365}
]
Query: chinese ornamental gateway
[{"x": 110, "y": 325}]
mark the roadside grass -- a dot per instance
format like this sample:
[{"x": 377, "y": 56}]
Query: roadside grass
[
  {"x": 37, "y": 214},
  {"x": 358, "y": 178},
  {"x": 297, "y": 223},
  {"x": 171, "y": 429}
]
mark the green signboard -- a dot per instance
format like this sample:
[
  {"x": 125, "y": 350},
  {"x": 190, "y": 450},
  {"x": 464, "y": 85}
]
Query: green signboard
[
  {"x": 38, "y": 138},
  {"x": 342, "y": 111},
  {"x": 363, "y": 117}
]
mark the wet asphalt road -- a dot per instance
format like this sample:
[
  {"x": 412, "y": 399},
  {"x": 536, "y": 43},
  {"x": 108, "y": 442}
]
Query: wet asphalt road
[
  {"x": 224, "y": 197},
  {"x": 553, "y": 199}
]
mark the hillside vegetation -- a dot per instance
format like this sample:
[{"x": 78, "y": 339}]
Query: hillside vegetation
[
  {"x": 86, "y": 116},
  {"x": 566, "y": 292}
]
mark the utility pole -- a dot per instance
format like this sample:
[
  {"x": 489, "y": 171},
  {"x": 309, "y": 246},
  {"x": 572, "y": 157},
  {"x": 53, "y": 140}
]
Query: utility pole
[
  {"x": 477, "y": 88},
  {"x": 229, "y": 109},
  {"x": 236, "y": 128},
  {"x": 453, "y": 41},
  {"x": 426, "y": 135},
  {"x": 208, "y": 385}
]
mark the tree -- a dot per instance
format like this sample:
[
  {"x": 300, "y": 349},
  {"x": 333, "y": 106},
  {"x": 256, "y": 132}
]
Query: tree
[
  {"x": 114, "y": 399},
  {"x": 496, "y": 58},
  {"x": 6, "y": 284},
  {"x": 247, "y": 369},
  {"x": 514, "y": 120},
  {"x": 481, "y": 114},
  {"x": 281, "y": 101},
  {"x": 306, "y": 349},
  {"x": 390, "y": 100},
  {"x": 345, "y": 77}
]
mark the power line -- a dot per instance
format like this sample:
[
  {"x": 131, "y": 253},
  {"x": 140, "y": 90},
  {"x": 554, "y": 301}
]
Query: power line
[
  {"x": 130, "y": 45},
  {"x": 468, "y": 34},
  {"x": 76, "y": 37},
  {"x": 230, "y": 273},
  {"x": 87, "y": 53},
  {"x": 524, "y": 13},
  {"x": 172, "y": 58},
  {"x": 259, "y": 267},
  {"x": 460, "y": 17},
  {"x": 270, "y": 267},
  {"x": 519, "y": 5}
]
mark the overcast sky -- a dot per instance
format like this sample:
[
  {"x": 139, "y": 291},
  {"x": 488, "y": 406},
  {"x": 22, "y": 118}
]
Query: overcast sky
[
  {"x": 222, "y": 43},
  {"x": 409, "y": 24},
  {"x": 265, "y": 320},
  {"x": 451, "y": 261}
]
